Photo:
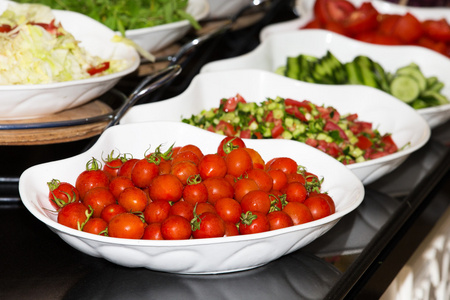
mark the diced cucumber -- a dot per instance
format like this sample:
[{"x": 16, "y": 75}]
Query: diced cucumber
[
  {"x": 414, "y": 71},
  {"x": 405, "y": 88}
]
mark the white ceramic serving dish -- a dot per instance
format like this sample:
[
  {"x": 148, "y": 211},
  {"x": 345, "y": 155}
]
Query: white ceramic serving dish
[
  {"x": 385, "y": 112},
  {"x": 305, "y": 9},
  {"x": 31, "y": 101},
  {"x": 158, "y": 37},
  {"x": 223, "y": 9},
  {"x": 195, "y": 256},
  {"x": 274, "y": 50}
]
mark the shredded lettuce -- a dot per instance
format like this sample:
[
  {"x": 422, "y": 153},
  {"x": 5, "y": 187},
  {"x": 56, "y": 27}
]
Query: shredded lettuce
[{"x": 38, "y": 51}]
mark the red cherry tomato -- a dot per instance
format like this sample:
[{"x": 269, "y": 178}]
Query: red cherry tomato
[
  {"x": 62, "y": 193},
  {"x": 183, "y": 170},
  {"x": 295, "y": 192},
  {"x": 95, "y": 226},
  {"x": 133, "y": 199},
  {"x": 318, "y": 206},
  {"x": 298, "y": 212},
  {"x": 118, "y": 184},
  {"x": 253, "y": 222},
  {"x": 152, "y": 232},
  {"x": 212, "y": 165},
  {"x": 98, "y": 198},
  {"x": 243, "y": 186},
  {"x": 126, "y": 225},
  {"x": 228, "y": 209},
  {"x": 262, "y": 179},
  {"x": 143, "y": 172},
  {"x": 166, "y": 187},
  {"x": 228, "y": 144},
  {"x": 182, "y": 208},
  {"x": 195, "y": 191},
  {"x": 156, "y": 211},
  {"x": 111, "y": 211},
  {"x": 207, "y": 225},
  {"x": 218, "y": 187},
  {"x": 279, "y": 219},
  {"x": 256, "y": 201},
  {"x": 176, "y": 228},
  {"x": 238, "y": 162},
  {"x": 73, "y": 215}
]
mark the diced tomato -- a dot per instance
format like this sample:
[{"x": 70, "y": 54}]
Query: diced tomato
[
  {"x": 269, "y": 117},
  {"x": 362, "y": 19},
  {"x": 363, "y": 142},
  {"x": 226, "y": 127},
  {"x": 333, "y": 150},
  {"x": 352, "y": 117},
  {"x": 211, "y": 128},
  {"x": 330, "y": 126},
  {"x": 361, "y": 126},
  {"x": 389, "y": 144},
  {"x": 258, "y": 135},
  {"x": 98, "y": 69},
  {"x": 408, "y": 29},
  {"x": 332, "y": 10},
  {"x": 377, "y": 154},
  {"x": 293, "y": 111},
  {"x": 291, "y": 102},
  {"x": 5, "y": 28},
  {"x": 245, "y": 134},
  {"x": 277, "y": 131},
  {"x": 231, "y": 103},
  {"x": 438, "y": 30}
]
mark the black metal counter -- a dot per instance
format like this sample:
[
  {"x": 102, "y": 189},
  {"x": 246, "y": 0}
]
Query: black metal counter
[{"x": 357, "y": 259}]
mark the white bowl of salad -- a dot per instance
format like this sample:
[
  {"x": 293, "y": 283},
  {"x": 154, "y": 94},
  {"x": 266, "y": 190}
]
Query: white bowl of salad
[
  {"x": 423, "y": 74},
  {"x": 194, "y": 255},
  {"x": 56, "y": 60},
  {"x": 386, "y": 114}
]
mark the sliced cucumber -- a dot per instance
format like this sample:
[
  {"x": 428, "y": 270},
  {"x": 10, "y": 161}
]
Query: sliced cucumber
[
  {"x": 434, "y": 98},
  {"x": 405, "y": 88},
  {"x": 292, "y": 67},
  {"x": 353, "y": 73},
  {"x": 414, "y": 71},
  {"x": 380, "y": 73}
]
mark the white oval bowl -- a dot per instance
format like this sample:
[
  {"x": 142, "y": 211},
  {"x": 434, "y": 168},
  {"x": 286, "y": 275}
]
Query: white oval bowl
[
  {"x": 273, "y": 51},
  {"x": 385, "y": 112},
  {"x": 193, "y": 256},
  {"x": 158, "y": 37},
  {"x": 37, "y": 100}
]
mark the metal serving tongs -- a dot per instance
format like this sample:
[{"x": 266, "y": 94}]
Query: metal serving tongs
[{"x": 228, "y": 24}]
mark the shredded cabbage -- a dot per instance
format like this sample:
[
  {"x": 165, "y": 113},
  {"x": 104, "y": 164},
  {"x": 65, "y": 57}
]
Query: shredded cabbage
[{"x": 36, "y": 50}]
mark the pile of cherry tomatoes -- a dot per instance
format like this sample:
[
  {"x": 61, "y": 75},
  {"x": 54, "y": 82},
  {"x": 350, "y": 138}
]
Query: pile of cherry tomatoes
[
  {"x": 366, "y": 24},
  {"x": 183, "y": 193}
]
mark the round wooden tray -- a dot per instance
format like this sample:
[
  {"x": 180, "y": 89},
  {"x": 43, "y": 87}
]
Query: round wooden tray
[{"x": 74, "y": 124}]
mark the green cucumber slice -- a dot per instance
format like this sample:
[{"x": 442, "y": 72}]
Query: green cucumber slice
[
  {"x": 414, "y": 71},
  {"x": 405, "y": 88}
]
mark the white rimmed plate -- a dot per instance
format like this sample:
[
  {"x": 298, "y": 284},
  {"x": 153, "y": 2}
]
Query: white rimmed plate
[
  {"x": 158, "y": 37},
  {"x": 274, "y": 50},
  {"x": 30, "y": 101},
  {"x": 385, "y": 112},
  {"x": 194, "y": 256}
]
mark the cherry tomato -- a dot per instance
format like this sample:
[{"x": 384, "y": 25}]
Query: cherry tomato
[
  {"x": 285, "y": 164},
  {"x": 127, "y": 167},
  {"x": 73, "y": 215},
  {"x": 62, "y": 193},
  {"x": 118, "y": 184},
  {"x": 176, "y": 228},
  {"x": 296, "y": 177},
  {"x": 98, "y": 198},
  {"x": 326, "y": 197},
  {"x": 126, "y": 225},
  {"x": 231, "y": 229},
  {"x": 166, "y": 187},
  {"x": 218, "y": 187},
  {"x": 113, "y": 164},
  {"x": 279, "y": 179},
  {"x": 152, "y": 232},
  {"x": 256, "y": 201},
  {"x": 318, "y": 206},
  {"x": 186, "y": 155},
  {"x": 253, "y": 222},
  {"x": 279, "y": 219},
  {"x": 243, "y": 186},
  {"x": 228, "y": 209},
  {"x": 295, "y": 192},
  {"x": 144, "y": 171},
  {"x": 204, "y": 207},
  {"x": 95, "y": 226},
  {"x": 207, "y": 225},
  {"x": 238, "y": 162},
  {"x": 133, "y": 199},
  {"x": 164, "y": 167},
  {"x": 90, "y": 178},
  {"x": 183, "y": 170},
  {"x": 111, "y": 211},
  {"x": 298, "y": 212},
  {"x": 228, "y": 144},
  {"x": 195, "y": 191},
  {"x": 182, "y": 208},
  {"x": 156, "y": 211},
  {"x": 212, "y": 165},
  {"x": 262, "y": 178},
  {"x": 193, "y": 148}
]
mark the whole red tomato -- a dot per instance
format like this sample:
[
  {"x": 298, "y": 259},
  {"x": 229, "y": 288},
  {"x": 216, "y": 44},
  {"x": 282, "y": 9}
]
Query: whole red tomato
[
  {"x": 144, "y": 170},
  {"x": 133, "y": 199},
  {"x": 156, "y": 211},
  {"x": 228, "y": 209},
  {"x": 182, "y": 208},
  {"x": 285, "y": 164},
  {"x": 152, "y": 232},
  {"x": 111, "y": 211},
  {"x": 166, "y": 187},
  {"x": 238, "y": 162},
  {"x": 253, "y": 222},
  {"x": 73, "y": 215},
  {"x": 295, "y": 192},
  {"x": 207, "y": 225},
  {"x": 298, "y": 212},
  {"x": 195, "y": 191},
  {"x": 183, "y": 170},
  {"x": 176, "y": 228},
  {"x": 126, "y": 225},
  {"x": 62, "y": 193},
  {"x": 118, "y": 184},
  {"x": 279, "y": 219},
  {"x": 228, "y": 144},
  {"x": 98, "y": 198},
  {"x": 318, "y": 206},
  {"x": 256, "y": 201},
  {"x": 218, "y": 187},
  {"x": 95, "y": 226},
  {"x": 193, "y": 148},
  {"x": 243, "y": 186},
  {"x": 262, "y": 178},
  {"x": 90, "y": 178},
  {"x": 212, "y": 165}
]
